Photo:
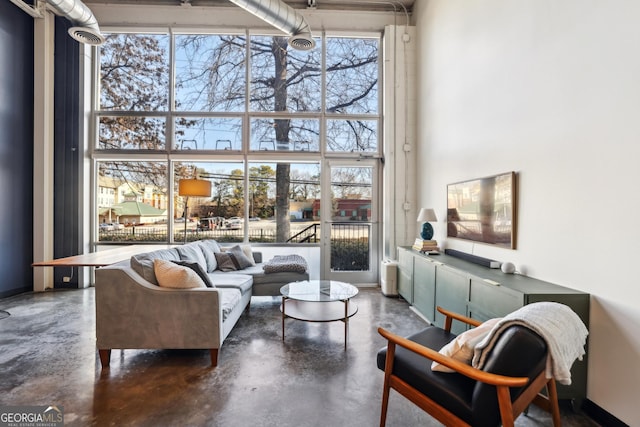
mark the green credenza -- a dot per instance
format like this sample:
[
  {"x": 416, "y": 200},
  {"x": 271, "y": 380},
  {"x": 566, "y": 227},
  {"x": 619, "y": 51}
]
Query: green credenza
[{"x": 483, "y": 293}]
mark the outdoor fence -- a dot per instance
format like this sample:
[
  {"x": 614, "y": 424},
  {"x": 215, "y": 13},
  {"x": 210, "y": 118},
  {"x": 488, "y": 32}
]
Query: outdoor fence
[{"x": 349, "y": 241}]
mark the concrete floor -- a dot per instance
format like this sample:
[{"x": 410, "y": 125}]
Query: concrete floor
[{"x": 48, "y": 357}]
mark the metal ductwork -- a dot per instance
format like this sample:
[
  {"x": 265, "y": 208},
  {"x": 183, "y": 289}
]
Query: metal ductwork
[
  {"x": 284, "y": 18},
  {"x": 85, "y": 29}
]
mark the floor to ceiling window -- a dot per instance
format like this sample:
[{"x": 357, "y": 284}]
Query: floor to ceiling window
[{"x": 245, "y": 111}]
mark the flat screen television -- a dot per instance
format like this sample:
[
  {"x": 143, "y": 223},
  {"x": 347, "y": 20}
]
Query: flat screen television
[{"x": 484, "y": 210}]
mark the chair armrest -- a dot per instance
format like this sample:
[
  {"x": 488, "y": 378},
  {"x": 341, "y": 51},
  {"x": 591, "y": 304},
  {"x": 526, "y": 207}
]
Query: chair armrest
[
  {"x": 450, "y": 315},
  {"x": 461, "y": 368}
]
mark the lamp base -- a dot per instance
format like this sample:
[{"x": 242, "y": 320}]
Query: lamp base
[{"x": 427, "y": 231}]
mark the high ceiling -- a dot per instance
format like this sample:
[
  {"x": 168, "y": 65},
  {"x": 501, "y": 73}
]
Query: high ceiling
[{"x": 372, "y": 5}]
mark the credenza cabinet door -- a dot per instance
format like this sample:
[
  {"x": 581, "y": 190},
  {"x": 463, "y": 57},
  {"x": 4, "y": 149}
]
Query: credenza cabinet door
[
  {"x": 452, "y": 293},
  {"x": 405, "y": 275},
  {"x": 424, "y": 287},
  {"x": 488, "y": 301}
]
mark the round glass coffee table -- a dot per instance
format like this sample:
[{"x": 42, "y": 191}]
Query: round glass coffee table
[{"x": 319, "y": 301}]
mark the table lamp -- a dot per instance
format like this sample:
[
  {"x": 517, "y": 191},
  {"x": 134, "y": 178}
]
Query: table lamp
[{"x": 427, "y": 215}]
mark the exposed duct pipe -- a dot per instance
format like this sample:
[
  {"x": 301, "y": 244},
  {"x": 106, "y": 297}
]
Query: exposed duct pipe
[
  {"x": 284, "y": 18},
  {"x": 85, "y": 29}
]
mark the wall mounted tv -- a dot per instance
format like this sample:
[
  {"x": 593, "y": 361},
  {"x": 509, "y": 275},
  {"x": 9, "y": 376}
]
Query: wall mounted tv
[{"x": 484, "y": 210}]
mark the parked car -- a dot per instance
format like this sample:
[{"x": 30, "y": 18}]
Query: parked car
[
  {"x": 210, "y": 223},
  {"x": 106, "y": 226},
  {"x": 234, "y": 223}
]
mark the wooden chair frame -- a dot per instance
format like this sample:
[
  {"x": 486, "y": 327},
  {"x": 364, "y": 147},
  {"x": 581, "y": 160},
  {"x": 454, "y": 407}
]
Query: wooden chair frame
[{"x": 509, "y": 411}]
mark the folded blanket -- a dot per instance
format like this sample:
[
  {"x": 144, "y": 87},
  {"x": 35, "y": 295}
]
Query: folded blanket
[
  {"x": 285, "y": 263},
  {"x": 557, "y": 324}
]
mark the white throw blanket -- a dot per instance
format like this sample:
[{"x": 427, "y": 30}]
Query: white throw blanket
[{"x": 557, "y": 324}]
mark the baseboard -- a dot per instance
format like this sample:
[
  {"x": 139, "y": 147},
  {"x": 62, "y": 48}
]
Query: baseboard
[
  {"x": 12, "y": 292},
  {"x": 599, "y": 415}
]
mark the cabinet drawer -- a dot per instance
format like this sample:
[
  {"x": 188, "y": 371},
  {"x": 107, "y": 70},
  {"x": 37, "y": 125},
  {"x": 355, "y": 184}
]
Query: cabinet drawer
[{"x": 487, "y": 301}]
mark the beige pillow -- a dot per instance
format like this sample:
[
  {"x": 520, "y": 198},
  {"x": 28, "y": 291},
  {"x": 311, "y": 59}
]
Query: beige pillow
[
  {"x": 247, "y": 251},
  {"x": 461, "y": 348},
  {"x": 171, "y": 275}
]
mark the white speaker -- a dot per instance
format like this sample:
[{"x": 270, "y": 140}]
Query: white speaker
[{"x": 508, "y": 267}]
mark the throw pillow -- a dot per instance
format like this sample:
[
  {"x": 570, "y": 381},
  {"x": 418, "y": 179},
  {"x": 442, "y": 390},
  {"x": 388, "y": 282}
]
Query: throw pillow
[
  {"x": 225, "y": 262},
  {"x": 242, "y": 260},
  {"x": 199, "y": 271},
  {"x": 171, "y": 275},
  {"x": 249, "y": 253},
  {"x": 461, "y": 348}
]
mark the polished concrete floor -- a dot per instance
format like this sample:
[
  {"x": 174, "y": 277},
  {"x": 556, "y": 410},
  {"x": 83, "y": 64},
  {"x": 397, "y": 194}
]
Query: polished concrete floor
[{"x": 48, "y": 357}]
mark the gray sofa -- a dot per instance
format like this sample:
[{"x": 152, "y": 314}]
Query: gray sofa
[{"x": 134, "y": 312}]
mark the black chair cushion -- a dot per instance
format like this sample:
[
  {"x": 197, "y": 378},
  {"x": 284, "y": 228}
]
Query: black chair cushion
[
  {"x": 450, "y": 390},
  {"x": 518, "y": 352}
]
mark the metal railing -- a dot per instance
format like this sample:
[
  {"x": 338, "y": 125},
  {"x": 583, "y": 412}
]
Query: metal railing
[
  {"x": 350, "y": 241},
  {"x": 350, "y": 249},
  {"x": 310, "y": 234}
]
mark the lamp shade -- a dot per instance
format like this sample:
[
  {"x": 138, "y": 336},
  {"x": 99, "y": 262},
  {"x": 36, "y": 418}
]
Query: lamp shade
[
  {"x": 194, "y": 187},
  {"x": 427, "y": 215}
]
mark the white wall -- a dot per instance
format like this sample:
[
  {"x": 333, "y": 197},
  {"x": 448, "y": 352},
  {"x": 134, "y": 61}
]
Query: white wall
[{"x": 550, "y": 89}]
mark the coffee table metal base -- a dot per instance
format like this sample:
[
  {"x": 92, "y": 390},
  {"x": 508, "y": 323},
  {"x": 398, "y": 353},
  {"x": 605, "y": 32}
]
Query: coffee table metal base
[{"x": 311, "y": 311}]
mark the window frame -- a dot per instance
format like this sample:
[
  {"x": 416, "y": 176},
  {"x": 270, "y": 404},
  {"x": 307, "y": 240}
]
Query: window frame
[{"x": 248, "y": 157}]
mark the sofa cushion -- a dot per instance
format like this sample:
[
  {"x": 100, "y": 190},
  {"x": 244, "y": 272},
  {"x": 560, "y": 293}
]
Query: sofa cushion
[
  {"x": 192, "y": 252},
  {"x": 197, "y": 268},
  {"x": 240, "y": 256},
  {"x": 143, "y": 263},
  {"x": 211, "y": 244},
  {"x": 171, "y": 275},
  {"x": 229, "y": 299},
  {"x": 226, "y": 262},
  {"x": 242, "y": 282},
  {"x": 209, "y": 248}
]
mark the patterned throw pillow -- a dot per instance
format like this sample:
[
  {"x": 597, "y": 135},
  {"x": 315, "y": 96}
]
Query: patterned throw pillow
[
  {"x": 171, "y": 275},
  {"x": 199, "y": 271}
]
